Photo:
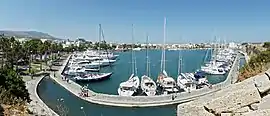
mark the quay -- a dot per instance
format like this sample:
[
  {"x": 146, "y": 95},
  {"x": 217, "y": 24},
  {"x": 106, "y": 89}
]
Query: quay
[
  {"x": 144, "y": 101},
  {"x": 37, "y": 105}
]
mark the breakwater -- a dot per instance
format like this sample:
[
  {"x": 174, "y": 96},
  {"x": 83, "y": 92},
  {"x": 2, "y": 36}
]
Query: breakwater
[{"x": 145, "y": 101}]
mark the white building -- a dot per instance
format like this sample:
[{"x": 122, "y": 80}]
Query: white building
[{"x": 232, "y": 45}]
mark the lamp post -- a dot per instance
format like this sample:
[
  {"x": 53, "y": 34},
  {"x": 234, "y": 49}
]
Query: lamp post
[{"x": 30, "y": 68}]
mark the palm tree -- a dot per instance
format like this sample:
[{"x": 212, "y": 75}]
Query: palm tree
[
  {"x": 47, "y": 47},
  {"x": 31, "y": 47}
]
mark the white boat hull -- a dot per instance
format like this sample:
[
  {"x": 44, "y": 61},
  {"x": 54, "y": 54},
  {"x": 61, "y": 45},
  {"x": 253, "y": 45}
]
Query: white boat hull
[{"x": 149, "y": 90}]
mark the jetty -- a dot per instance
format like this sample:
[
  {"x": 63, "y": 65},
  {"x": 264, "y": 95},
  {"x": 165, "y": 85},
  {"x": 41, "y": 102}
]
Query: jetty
[{"x": 143, "y": 101}]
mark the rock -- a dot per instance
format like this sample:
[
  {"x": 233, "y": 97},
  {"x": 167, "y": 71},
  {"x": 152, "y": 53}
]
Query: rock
[
  {"x": 241, "y": 94},
  {"x": 192, "y": 110},
  {"x": 265, "y": 103},
  {"x": 237, "y": 114},
  {"x": 254, "y": 106},
  {"x": 242, "y": 110},
  {"x": 262, "y": 82},
  {"x": 265, "y": 112},
  {"x": 268, "y": 73},
  {"x": 226, "y": 114}
]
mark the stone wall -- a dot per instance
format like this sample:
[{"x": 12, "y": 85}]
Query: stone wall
[{"x": 248, "y": 98}]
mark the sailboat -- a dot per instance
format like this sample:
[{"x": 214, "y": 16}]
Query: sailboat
[
  {"x": 148, "y": 85},
  {"x": 185, "y": 80},
  {"x": 129, "y": 87},
  {"x": 164, "y": 81},
  {"x": 94, "y": 77},
  {"x": 213, "y": 67}
]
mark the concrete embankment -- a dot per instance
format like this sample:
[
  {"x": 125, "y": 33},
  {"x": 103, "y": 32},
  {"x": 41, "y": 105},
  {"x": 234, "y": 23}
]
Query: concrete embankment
[
  {"x": 37, "y": 106},
  {"x": 144, "y": 101},
  {"x": 248, "y": 98}
]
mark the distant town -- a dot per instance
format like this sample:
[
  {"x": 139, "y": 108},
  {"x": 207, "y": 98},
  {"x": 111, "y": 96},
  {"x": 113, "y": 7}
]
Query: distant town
[{"x": 138, "y": 46}]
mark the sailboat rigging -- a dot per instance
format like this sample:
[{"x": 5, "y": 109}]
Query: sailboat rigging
[
  {"x": 148, "y": 85},
  {"x": 129, "y": 87},
  {"x": 167, "y": 83},
  {"x": 93, "y": 76}
]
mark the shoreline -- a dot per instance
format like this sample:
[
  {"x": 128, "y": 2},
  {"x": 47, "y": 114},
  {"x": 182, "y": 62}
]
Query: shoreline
[
  {"x": 141, "y": 101},
  {"x": 37, "y": 106}
]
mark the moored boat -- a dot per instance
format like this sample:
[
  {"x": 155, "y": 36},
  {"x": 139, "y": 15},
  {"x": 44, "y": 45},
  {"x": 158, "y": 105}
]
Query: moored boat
[
  {"x": 129, "y": 87},
  {"x": 93, "y": 77},
  {"x": 148, "y": 86}
]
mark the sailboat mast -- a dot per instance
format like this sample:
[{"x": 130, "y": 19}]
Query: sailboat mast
[
  {"x": 132, "y": 52},
  {"x": 147, "y": 57},
  {"x": 163, "y": 50},
  {"x": 99, "y": 40},
  {"x": 179, "y": 63}
]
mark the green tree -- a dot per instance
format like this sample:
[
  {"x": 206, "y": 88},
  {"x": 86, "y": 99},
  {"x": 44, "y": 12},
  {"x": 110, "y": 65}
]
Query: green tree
[
  {"x": 267, "y": 45},
  {"x": 13, "y": 87}
]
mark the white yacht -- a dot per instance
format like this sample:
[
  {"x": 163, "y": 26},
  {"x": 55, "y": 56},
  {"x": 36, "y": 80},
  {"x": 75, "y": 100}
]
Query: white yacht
[
  {"x": 169, "y": 85},
  {"x": 103, "y": 62},
  {"x": 214, "y": 70},
  {"x": 163, "y": 79},
  {"x": 102, "y": 55},
  {"x": 148, "y": 86},
  {"x": 129, "y": 87},
  {"x": 186, "y": 83},
  {"x": 74, "y": 69},
  {"x": 94, "y": 76}
]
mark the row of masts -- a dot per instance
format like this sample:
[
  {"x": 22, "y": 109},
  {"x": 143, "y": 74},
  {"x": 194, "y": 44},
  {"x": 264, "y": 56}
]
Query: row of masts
[{"x": 163, "y": 58}]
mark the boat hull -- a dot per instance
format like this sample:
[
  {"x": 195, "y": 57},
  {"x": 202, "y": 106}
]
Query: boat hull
[{"x": 94, "y": 80}]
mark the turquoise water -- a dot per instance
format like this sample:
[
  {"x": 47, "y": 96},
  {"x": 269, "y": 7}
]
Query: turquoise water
[
  {"x": 49, "y": 91},
  {"x": 192, "y": 60}
]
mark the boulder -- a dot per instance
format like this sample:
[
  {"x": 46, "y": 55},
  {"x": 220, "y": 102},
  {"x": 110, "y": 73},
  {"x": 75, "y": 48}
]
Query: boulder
[
  {"x": 262, "y": 82},
  {"x": 241, "y": 94},
  {"x": 242, "y": 110},
  {"x": 188, "y": 109},
  {"x": 265, "y": 112},
  {"x": 265, "y": 103},
  {"x": 268, "y": 73},
  {"x": 226, "y": 114},
  {"x": 254, "y": 106}
]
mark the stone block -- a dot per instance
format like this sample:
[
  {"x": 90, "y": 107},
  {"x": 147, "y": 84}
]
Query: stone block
[
  {"x": 226, "y": 114},
  {"x": 258, "y": 113},
  {"x": 192, "y": 110},
  {"x": 242, "y": 110},
  {"x": 262, "y": 82},
  {"x": 235, "y": 99},
  {"x": 268, "y": 73},
  {"x": 254, "y": 106},
  {"x": 265, "y": 103}
]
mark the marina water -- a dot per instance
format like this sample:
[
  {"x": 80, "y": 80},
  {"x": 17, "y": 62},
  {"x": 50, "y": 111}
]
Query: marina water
[{"x": 50, "y": 91}]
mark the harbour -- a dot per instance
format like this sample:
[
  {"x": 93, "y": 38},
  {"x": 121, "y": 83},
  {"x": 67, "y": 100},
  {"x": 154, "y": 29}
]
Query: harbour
[
  {"x": 134, "y": 58},
  {"x": 126, "y": 55}
]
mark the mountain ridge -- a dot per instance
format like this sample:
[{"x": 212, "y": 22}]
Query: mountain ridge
[{"x": 28, "y": 34}]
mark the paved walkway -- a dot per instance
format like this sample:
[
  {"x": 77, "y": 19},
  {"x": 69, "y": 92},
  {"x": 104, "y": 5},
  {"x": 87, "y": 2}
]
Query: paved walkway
[
  {"x": 141, "y": 101},
  {"x": 37, "y": 105}
]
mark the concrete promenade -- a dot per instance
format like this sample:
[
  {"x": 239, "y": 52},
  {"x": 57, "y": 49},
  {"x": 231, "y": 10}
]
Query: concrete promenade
[
  {"x": 144, "y": 101},
  {"x": 37, "y": 106}
]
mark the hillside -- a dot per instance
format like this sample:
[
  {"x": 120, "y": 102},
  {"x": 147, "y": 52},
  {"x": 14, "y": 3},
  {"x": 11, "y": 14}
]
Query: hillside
[
  {"x": 259, "y": 62},
  {"x": 28, "y": 34}
]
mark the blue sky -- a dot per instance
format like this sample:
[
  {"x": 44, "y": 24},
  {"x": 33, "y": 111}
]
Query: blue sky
[{"x": 187, "y": 20}]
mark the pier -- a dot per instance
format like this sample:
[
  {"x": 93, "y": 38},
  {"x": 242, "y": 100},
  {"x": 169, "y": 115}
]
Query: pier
[{"x": 144, "y": 101}]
